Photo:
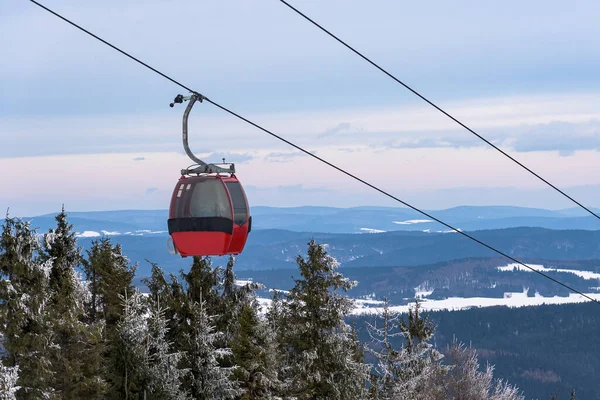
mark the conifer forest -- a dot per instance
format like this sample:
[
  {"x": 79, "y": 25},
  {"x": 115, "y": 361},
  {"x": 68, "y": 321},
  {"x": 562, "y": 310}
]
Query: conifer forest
[{"x": 74, "y": 326}]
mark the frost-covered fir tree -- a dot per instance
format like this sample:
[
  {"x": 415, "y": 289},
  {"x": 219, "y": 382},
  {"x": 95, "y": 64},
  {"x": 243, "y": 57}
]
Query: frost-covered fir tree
[
  {"x": 77, "y": 357},
  {"x": 25, "y": 328},
  {"x": 233, "y": 299},
  {"x": 408, "y": 372},
  {"x": 316, "y": 343},
  {"x": 203, "y": 284},
  {"x": 254, "y": 354},
  {"x": 61, "y": 250},
  {"x": 466, "y": 381},
  {"x": 210, "y": 380},
  {"x": 385, "y": 372},
  {"x": 8, "y": 382},
  {"x": 109, "y": 276},
  {"x": 165, "y": 377},
  {"x": 422, "y": 362},
  {"x": 130, "y": 370}
]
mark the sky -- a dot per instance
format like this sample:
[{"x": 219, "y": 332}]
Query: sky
[{"x": 83, "y": 125}]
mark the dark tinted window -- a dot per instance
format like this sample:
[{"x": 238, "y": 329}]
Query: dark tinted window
[
  {"x": 206, "y": 198},
  {"x": 210, "y": 199},
  {"x": 181, "y": 201},
  {"x": 240, "y": 216}
]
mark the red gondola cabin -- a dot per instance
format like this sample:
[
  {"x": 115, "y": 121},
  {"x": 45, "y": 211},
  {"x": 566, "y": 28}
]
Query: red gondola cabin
[{"x": 209, "y": 216}]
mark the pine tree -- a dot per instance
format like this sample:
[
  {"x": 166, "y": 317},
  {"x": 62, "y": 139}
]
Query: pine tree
[
  {"x": 386, "y": 372},
  {"x": 233, "y": 298},
  {"x": 25, "y": 328},
  {"x": 61, "y": 251},
  {"x": 130, "y": 372},
  {"x": 254, "y": 354},
  {"x": 76, "y": 359},
  {"x": 414, "y": 370},
  {"x": 419, "y": 363},
  {"x": 210, "y": 380},
  {"x": 165, "y": 375},
  {"x": 203, "y": 284},
  {"x": 109, "y": 277},
  {"x": 466, "y": 382},
  {"x": 316, "y": 342}
]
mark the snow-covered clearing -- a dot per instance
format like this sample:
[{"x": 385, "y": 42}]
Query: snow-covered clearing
[
  {"x": 541, "y": 268},
  {"x": 87, "y": 234},
  {"x": 463, "y": 303},
  {"x": 513, "y": 300},
  {"x": 412, "y": 221},
  {"x": 371, "y": 230},
  {"x": 140, "y": 232}
]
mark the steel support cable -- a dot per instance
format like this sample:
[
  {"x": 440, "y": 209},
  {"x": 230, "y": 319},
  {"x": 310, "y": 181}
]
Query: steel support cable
[
  {"x": 323, "y": 160},
  {"x": 441, "y": 110}
]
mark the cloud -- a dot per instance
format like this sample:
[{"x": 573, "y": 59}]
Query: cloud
[
  {"x": 564, "y": 137},
  {"x": 139, "y": 158},
  {"x": 504, "y": 121},
  {"x": 557, "y": 135},
  {"x": 151, "y": 191},
  {"x": 285, "y": 157},
  {"x": 341, "y": 127}
]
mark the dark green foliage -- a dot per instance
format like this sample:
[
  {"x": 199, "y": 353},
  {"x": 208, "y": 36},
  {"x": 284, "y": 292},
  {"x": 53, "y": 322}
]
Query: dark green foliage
[
  {"x": 313, "y": 337},
  {"x": 76, "y": 357},
  {"x": 202, "y": 282},
  {"x": 253, "y": 351},
  {"x": 24, "y": 309},
  {"x": 110, "y": 277},
  {"x": 60, "y": 249},
  {"x": 417, "y": 329}
]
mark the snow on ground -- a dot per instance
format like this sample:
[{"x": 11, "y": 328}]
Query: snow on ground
[
  {"x": 370, "y": 230},
  {"x": 541, "y": 268},
  {"x": 140, "y": 232},
  {"x": 412, "y": 221},
  {"x": 513, "y": 300},
  {"x": 364, "y": 303},
  {"x": 87, "y": 234},
  {"x": 462, "y": 303},
  {"x": 423, "y": 290}
]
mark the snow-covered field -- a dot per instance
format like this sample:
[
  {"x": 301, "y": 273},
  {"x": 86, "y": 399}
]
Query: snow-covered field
[
  {"x": 370, "y": 230},
  {"x": 464, "y": 303},
  {"x": 541, "y": 268},
  {"x": 510, "y": 299},
  {"x": 461, "y": 303},
  {"x": 413, "y": 221},
  {"x": 141, "y": 232}
]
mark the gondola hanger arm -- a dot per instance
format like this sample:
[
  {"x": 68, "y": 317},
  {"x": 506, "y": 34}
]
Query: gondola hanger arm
[{"x": 202, "y": 168}]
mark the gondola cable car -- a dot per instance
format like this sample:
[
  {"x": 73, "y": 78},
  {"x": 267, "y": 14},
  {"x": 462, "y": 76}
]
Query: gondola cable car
[{"x": 209, "y": 213}]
